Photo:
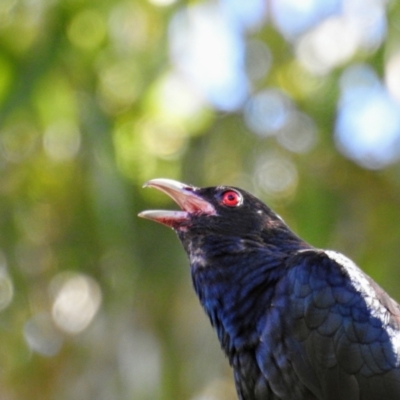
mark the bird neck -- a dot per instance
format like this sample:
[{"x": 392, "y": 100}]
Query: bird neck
[
  {"x": 283, "y": 239},
  {"x": 232, "y": 277}
]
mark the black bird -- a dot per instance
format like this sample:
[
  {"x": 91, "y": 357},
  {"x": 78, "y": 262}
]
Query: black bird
[{"x": 296, "y": 322}]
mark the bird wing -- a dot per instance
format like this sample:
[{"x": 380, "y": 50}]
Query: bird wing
[{"x": 343, "y": 336}]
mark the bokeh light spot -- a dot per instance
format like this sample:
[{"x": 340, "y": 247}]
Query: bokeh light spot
[
  {"x": 368, "y": 124},
  {"x": 177, "y": 100},
  {"x": 163, "y": 139},
  {"x": 330, "y": 44},
  {"x": 208, "y": 50},
  {"x": 42, "y": 336},
  {"x": 87, "y": 29},
  {"x": 392, "y": 75},
  {"x": 246, "y": 15},
  {"x": 336, "y": 39},
  {"x": 267, "y": 112},
  {"x": 77, "y": 299},
  {"x": 162, "y": 3},
  {"x": 276, "y": 175},
  {"x": 129, "y": 27},
  {"x": 139, "y": 362},
  {"x": 119, "y": 86},
  {"x": 293, "y": 17},
  {"x": 62, "y": 140},
  {"x": 6, "y": 290},
  {"x": 299, "y": 134},
  {"x": 258, "y": 59},
  {"x": 6, "y": 284}
]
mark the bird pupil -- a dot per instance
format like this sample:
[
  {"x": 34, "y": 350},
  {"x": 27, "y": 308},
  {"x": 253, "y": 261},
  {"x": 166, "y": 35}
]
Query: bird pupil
[{"x": 230, "y": 198}]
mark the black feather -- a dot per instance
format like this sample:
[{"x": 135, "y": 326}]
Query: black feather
[{"x": 296, "y": 323}]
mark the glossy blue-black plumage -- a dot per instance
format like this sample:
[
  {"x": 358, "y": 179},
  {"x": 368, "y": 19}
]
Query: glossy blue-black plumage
[{"x": 296, "y": 323}]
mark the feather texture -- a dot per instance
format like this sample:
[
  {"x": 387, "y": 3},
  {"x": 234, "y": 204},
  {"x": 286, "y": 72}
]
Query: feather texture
[{"x": 296, "y": 323}]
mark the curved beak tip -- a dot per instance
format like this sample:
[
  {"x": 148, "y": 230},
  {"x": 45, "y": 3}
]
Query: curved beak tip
[{"x": 184, "y": 195}]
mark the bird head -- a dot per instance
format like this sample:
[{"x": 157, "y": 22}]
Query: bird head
[
  {"x": 235, "y": 244},
  {"x": 220, "y": 210}
]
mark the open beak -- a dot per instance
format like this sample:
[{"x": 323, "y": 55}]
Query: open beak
[{"x": 187, "y": 199}]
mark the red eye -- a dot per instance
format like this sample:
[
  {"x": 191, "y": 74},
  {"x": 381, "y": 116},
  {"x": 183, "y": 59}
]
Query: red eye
[{"x": 231, "y": 198}]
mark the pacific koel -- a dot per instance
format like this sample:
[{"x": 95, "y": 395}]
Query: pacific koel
[{"x": 296, "y": 322}]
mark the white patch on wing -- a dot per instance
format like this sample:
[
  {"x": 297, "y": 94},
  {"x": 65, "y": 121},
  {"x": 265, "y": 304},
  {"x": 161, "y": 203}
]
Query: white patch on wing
[
  {"x": 358, "y": 278},
  {"x": 363, "y": 285},
  {"x": 395, "y": 339}
]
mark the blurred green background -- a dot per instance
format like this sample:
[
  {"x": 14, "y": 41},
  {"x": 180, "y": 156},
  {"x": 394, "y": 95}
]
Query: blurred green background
[{"x": 297, "y": 102}]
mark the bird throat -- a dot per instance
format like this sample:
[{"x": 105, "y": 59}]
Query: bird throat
[{"x": 229, "y": 287}]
